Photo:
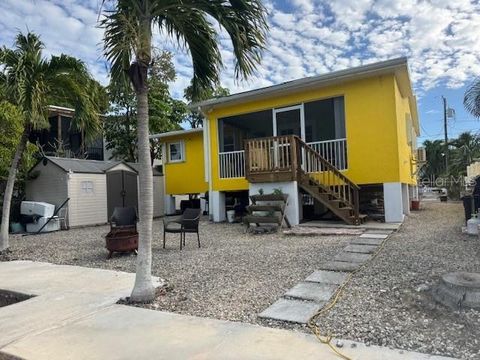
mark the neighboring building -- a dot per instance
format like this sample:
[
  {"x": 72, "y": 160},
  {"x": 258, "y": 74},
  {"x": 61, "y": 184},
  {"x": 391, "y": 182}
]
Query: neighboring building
[
  {"x": 94, "y": 188},
  {"x": 62, "y": 139},
  {"x": 339, "y": 142}
]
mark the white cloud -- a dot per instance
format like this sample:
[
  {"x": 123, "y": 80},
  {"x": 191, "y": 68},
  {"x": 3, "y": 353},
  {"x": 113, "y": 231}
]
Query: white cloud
[{"x": 307, "y": 37}]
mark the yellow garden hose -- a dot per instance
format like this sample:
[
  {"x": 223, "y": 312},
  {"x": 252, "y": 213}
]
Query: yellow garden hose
[{"x": 312, "y": 322}]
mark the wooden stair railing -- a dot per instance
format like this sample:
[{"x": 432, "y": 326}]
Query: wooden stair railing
[
  {"x": 327, "y": 184},
  {"x": 289, "y": 158}
]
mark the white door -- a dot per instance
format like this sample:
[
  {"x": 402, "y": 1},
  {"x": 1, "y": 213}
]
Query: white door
[{"x": 289, "y": 121}]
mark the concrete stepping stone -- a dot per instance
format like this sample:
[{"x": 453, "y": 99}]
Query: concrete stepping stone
[
  {"x": 317, "y": 292},
  {"x": 361, "y": 249},
  {"x": 374, "y": 236},
  {"x": 327, "y": 277},
  {"x": 295, "y": 311},
  {"x": 352, "y": 257},
  {"x": 373, "y": 231},
  {"x": 340, "y": 266},
  {"x": 366, "y": 241}
]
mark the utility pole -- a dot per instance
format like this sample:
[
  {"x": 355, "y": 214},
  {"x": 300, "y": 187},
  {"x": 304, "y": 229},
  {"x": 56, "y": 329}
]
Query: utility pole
[{"x": 445, "y": 130}]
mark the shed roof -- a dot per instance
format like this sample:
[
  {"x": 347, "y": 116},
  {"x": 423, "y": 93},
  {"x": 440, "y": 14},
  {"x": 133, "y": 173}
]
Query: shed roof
[{"x": 85, "y": 166}]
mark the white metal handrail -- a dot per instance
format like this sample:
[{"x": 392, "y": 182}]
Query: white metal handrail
[
  {"x": 232, "y": 164},
  {"x": 334, "y": 151}
]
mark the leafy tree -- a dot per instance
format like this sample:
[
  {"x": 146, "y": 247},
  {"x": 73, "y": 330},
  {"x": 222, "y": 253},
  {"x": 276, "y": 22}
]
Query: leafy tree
[
  {"x": 466, "y": 150},
  {"x": 30, "y": 81},
  {"x": 128, "y": 45},
  {"x": 165, "y": 113},
  {"x": 194, "y": 118},
  {"x": 435, "y": 166}
]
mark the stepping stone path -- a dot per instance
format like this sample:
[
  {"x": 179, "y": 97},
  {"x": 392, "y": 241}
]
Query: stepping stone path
[
  {"x": 362, "y": 249},
  {"x": 306, "y": 298},
  {"x": 352, "y": 257},
  {"x": 313, "y": 291},
  {"x": 291, "y": 310}
]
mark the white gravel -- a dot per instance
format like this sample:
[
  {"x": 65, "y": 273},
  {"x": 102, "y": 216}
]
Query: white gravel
[
  {"x": 389, "y": 303},
  {"x": 234, "y": 276}
]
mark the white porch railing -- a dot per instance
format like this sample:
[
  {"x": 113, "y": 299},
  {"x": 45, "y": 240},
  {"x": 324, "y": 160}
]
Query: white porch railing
[
  {"x": 334, "y": 151},
  {"x": 232, "y": 163}
]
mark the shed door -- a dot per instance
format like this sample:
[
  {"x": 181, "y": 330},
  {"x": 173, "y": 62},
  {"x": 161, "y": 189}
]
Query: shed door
[{"x": 121, "y": 190}]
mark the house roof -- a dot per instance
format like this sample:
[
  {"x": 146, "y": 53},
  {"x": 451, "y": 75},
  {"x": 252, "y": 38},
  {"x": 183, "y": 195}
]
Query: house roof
[
  {"x": 176, "y": 132},
  {"x": 375, "y": 69},
  {"x": 398, "y": 67}
]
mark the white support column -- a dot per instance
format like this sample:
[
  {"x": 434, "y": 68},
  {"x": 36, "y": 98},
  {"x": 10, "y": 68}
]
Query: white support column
[
  {"x": 293, "y": 211},
  {"x": 406, "y": 199},
  {"x": 169, "y": 201},
  {"x": 217, "y": 206},
  {"x": 393, "y": 202}
]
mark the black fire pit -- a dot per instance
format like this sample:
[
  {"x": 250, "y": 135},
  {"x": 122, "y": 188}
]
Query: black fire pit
[{"x": 121, "y": 241}]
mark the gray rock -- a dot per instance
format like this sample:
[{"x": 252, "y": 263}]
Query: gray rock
[
  {"x": 362, "y": 249},
  {"x": 352, "y": 257}
]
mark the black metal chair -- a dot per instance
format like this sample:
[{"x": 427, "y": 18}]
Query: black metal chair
[
  {"x": 123, "y": 218},
  {"x": 187, "y": 223}
]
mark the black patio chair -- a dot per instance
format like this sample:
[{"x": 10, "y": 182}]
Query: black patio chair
[
  {"x": 123, "y": 218},
  {"x": 187, "y": 223}
]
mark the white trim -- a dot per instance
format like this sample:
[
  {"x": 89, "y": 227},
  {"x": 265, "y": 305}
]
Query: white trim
[
  {"x": 206, "y": 149},
  {"x": 174, "y": 133},
  {"x": 290, "y": 108},
  {"x": 182, "y": 152}
]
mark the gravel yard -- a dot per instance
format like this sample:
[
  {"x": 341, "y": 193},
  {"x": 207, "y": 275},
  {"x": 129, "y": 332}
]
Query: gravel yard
[
  {"x": 389, "y": 302},
  {"x": 234, "y": 276}
]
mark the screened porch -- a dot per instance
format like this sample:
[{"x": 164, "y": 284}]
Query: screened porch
[{"x": 321, "y": 124}]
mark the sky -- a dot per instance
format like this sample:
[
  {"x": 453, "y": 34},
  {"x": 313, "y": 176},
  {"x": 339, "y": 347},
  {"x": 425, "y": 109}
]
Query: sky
[{"x": 441, "y": 39}]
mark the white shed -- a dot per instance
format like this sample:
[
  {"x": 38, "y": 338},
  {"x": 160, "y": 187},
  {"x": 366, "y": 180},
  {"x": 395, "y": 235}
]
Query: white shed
[{"x": 94, "y": 188}]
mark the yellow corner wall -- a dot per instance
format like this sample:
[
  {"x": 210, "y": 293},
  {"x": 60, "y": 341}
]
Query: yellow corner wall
[
  {"x": 186, "y": 177},
  {"x": 407, "y": 166},
  {"x": 371, "y": 128}
]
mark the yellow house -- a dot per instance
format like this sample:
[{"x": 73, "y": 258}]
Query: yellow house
[{"x": 335, "y": 143}]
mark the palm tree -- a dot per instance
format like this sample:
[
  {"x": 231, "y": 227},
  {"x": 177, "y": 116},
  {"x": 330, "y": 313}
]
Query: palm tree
[
  {"x": 128, "y": 46},
  {"x": 471, "y": 100},
  {"x": 30, "y": 82}
]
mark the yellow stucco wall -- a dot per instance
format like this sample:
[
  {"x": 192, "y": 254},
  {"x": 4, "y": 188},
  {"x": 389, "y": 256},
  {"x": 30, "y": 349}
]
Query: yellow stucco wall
[
  {"x": 371, "y": 114},
  {"x": 186, "y": 177},
  {"x": 405, "y": 150}
]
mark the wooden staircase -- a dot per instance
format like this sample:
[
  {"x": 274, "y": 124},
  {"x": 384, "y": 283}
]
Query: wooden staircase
[
  {"x": 325, "y": 183},
  {"x": 288, "y": 158}
]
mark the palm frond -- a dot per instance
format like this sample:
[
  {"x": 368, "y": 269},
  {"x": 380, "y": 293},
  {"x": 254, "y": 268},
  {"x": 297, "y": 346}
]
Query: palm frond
[
  {"x": 471, "y": 100},
  {"x": 192, "y": 30}
]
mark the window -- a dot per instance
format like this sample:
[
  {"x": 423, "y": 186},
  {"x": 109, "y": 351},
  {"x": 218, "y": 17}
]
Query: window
[
  {"x": 176, "y": 152},
  {"x": 87, "y": 187}
]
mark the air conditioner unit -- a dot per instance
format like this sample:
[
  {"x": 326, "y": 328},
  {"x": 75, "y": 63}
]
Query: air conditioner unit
[{"x": 421, "y": 155}]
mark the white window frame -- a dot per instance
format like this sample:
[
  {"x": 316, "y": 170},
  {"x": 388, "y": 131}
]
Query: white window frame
[
  {"x": 87, "y": 187},
  {"x": 181, "y": 144}
]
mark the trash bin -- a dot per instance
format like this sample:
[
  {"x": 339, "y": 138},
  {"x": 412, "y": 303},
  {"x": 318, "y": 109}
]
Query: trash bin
[
  {"x": 467, "y": 206},
  {"x": 231, "y": 216}
]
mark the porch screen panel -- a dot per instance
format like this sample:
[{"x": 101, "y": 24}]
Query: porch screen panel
[
  {"x": 325, "y": 129},
  {"x": 232, "y": 133}
]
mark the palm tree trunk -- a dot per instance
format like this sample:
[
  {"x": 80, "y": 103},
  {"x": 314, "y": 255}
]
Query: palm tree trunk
[
  {"x": 143, "y": 290},
  {"x": 7, "y": 197}
]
